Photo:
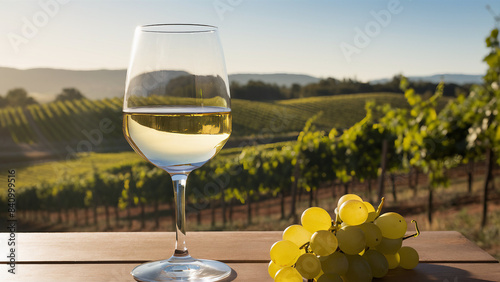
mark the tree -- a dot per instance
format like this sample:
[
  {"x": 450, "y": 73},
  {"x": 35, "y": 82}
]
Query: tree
[
  {"x": 295, "y": 91},
  {"x": 69, "y": 94},
  {"x": 18, "y": 97},
  {"x": 256, "y": 90},
  {"x": 3, "y": 102},
  {"x": 482, "y": 115}
]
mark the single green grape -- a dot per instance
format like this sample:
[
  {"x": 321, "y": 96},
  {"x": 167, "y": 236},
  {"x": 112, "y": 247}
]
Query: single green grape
[
  {"x": 335, "y": 263},
  {"x": 272, "y": 268},
  {"x": 392, "y": 260},
  {"x": 284, "y": 253},
  {"x": 288, "y": 274},
  {"x": 348, "y": 197},
  {"x": 369, "y": 207},
  {"x": 308, "y": 265},
  {"x": 330, "y": 277},
  {"x": 373, "y": 235},
  {"x": 319, "y": 275},
  {"x": 372, "y": 213},
  {"x": 377, "y": 262},
  {"x": 314, "y": 219},
  {"x": 297, "y": 234},
  {"x": 359, "y": 270},
  {"x": 351, "y": 239},
  {"x": 353, "y": 212},
  {"x": 323, "y": 243},
  {"x": 408, "y": 257},
  {"x": 371, "y": 216},
  {"x": 392, "y": 225},
  {"x": 389, "y": 246}
]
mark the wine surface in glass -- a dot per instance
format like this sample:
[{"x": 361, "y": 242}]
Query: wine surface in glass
[{"x": 176, "y": 138}]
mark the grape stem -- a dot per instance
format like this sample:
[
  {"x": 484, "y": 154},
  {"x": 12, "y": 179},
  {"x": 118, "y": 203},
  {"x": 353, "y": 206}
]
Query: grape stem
[
  {"x": 335, "y": 224},
  {"x": 416, "y": 228},
  {"x": 305, "y": 246},
  {"x": 379, "y": 209}
]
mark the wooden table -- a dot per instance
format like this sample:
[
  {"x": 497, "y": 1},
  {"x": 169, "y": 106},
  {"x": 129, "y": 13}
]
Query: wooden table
[{"x": 445, "y": 256}]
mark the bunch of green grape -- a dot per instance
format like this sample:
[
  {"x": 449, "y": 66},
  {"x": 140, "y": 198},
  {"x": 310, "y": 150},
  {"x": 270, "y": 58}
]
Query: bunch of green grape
[{"x": 359, "y": 245}]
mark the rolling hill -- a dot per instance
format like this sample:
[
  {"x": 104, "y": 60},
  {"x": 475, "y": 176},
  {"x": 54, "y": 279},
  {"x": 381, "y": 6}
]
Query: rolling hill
[
  {"x": 44, "y": 84},
  {"x": 446, "y": 77},
  {"x": 62, "y": 128}
]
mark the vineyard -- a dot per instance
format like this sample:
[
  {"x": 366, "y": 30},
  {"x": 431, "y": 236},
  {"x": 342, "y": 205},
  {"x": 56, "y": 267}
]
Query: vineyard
[
  {"x": 61, "y": 130},
  {"x": 63, "y": 122},
  {"x": 249, "y": 174},
  {"x": 343, "y": 142}
]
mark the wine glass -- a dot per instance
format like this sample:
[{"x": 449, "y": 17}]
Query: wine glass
[{"x": 177, "y": 115}]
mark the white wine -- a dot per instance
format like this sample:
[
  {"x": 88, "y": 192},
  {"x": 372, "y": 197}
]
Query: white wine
[{"x": 177, "y": 139}]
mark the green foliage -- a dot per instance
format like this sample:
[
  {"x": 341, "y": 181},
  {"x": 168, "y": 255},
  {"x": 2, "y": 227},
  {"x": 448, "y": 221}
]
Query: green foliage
[
  {"x": 418, "y": 132},
  {"x": 332, "y": 86},
  {"x": 17, "y": 97},
  {"x": 314, "y": 154},
  {"x": 256, "y": 91},
  {"x": 471, "y": 124},
  {"x": 361, "y": 148},
  {"x": 69, "y": 94},
  {"x": 65, "y": 121}
]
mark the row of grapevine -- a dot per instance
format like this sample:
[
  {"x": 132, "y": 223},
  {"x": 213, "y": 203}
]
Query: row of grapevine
[
  {"x": 14, "y": 120},
  {"x": 258, "y": 171},
  {"x": 58, "y": 121},
  {"x": 283, "y": 169},
  {"x": 63, "y": 122}
]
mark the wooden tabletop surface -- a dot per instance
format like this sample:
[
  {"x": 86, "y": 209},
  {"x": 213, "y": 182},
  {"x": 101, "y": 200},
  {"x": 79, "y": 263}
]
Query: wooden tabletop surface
[{"x": 68, "y": 257}]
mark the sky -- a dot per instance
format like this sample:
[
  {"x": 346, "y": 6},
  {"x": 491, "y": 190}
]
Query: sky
[{"x": 368, "y": 39}]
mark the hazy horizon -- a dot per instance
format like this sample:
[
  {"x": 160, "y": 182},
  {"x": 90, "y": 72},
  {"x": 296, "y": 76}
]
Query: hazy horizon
[
  {"x": 366, "y": 40},
  {"x": 253, "y": 73}
]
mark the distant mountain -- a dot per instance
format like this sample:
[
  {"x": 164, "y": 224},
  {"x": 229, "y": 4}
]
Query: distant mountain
[
  {"x": 44, "y": 83},
  {"x": 282, "y": 79},
  {"x": 446, "y": 77}
]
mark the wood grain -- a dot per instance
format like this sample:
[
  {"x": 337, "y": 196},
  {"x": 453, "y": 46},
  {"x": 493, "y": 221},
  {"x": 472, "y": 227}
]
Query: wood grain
[
  {"x": 234, "y": 247},
  {"x": 251, "y": 272},
  {"x": 77, "y": 257}
]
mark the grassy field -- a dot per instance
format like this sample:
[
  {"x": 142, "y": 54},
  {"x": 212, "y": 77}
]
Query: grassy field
[{"x": 82, "y": 166}]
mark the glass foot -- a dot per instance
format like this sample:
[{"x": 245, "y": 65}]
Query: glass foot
[{"x": 181, "y": 269}]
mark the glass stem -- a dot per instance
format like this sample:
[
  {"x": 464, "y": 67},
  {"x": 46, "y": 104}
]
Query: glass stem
[{"x": 179, "y": 183}]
